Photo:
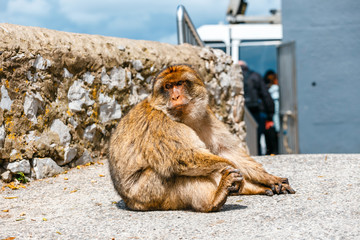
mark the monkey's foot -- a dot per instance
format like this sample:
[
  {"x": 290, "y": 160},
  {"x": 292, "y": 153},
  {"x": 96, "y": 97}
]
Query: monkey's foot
[
  {"x": 270, "y": 186},
  {"x": 231, "y": 182},
  {"x": 281, "y": 186},
  {"x": 234, "y": 181}
]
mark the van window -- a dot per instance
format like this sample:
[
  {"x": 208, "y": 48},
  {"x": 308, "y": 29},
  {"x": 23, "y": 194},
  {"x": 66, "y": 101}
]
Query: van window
[{"x": 259, "y": 58}]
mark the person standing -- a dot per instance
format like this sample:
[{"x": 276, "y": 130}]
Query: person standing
[
  {"x": 272, "y": 128},
  {"x": 257, "y": 99}
]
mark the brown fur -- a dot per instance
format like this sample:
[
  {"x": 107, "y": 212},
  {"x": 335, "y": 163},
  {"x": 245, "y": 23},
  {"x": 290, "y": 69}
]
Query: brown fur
[{"x": 163, "y": 157}]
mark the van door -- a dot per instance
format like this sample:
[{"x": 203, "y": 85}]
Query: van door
[{"x": 286, "y": 65}]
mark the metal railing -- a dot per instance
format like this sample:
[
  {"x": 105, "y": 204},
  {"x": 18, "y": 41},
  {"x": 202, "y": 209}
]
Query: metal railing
[{"x": 185, "y": 28}]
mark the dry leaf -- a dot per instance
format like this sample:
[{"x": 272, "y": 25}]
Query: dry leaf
[
  {"x": 6, "y": 210},
  {"x": 10, "y": 197},
  {"x": 66, "y": 178},
  {"x": 58, "y": 232},
  {"x": 9, "y": 238},
  {"x": 73, "y": 191},
  {"x": 217, "y": 222},
  {"x": 14, "y": 187},
  {"x": 100, "y": 175}
]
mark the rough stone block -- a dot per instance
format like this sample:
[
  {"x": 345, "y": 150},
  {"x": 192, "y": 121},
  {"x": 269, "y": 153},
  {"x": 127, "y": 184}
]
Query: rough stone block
[
  {"x": 62, "y": 130},
  {"x": 137, "y": 64},
  {"x": 116, "y": 79},
  {"x": 109, "y": 108},
  {"x": 5, "y": 102},
  {"x": 69, "y": 155},
  {"x": 88, "y": 78},
  {"x": 78, "y": 96},
  {"x": 45, "y": 167},
  {"x": 2, "y": 136},
  {"x": 6, "y": 176},
  {"x": 67, "y": 74},
  {"x": 225, "y": 80},
  {"x": 31, "y": 105},
  {"x": 89, "y": 132},
  {"x": 85, "y": 158},
  {"x": 19, "y": 166},
  {"x": 41, "y": 63}
]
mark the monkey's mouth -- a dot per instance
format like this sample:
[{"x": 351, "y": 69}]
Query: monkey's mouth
[{"x": 180, "y": 106}]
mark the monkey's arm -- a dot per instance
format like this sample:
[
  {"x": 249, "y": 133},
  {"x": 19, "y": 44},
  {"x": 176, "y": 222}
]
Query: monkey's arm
[
  {"x": 200, "y": 163},
  {"x": 186, "y": 162},
  {"x": 181, "y": 152}
]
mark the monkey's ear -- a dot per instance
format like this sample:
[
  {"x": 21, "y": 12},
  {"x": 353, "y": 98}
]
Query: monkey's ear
[
  {"x": 154, "y": 81},
  {"x": 155, "y": 78}
]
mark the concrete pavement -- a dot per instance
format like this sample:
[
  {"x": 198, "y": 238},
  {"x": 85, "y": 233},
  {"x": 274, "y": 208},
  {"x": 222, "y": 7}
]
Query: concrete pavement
[{"x": 82, "y": 204}]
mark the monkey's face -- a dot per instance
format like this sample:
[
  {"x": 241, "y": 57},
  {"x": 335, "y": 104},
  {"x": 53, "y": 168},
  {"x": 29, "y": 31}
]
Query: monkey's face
[{"x": 179, "y": 91}]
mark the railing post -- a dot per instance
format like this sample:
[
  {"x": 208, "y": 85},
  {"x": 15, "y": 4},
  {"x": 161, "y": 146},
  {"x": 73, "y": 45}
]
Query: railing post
[
  {"x": 180, "y": 23},
  {"x": 186, "y": 31}
]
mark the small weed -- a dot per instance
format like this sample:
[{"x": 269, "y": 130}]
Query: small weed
[{"x": 20, "y": 176}]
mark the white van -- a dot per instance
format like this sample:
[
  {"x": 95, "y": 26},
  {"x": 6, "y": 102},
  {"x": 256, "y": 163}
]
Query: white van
[{"x": 254, "y": 43}]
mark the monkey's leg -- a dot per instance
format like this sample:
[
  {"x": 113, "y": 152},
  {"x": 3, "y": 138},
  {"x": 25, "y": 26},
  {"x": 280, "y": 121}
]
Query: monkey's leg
[
  {"x": 203, "y": 194},
  {"x": 251, "y": 188},
  {"x": 257, "y": 180}
]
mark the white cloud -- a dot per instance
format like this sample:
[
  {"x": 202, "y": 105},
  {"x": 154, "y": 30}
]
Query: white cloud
[
  {"x": 28, "y": 7},
  {"x": 139, "y": 19}
]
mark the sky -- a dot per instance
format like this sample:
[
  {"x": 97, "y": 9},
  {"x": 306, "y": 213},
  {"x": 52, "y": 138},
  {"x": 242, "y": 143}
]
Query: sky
[{"x": 134, "y": 19}]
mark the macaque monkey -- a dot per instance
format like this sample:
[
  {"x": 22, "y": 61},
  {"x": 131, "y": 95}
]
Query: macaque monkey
[{"x": 171, "y": 152}]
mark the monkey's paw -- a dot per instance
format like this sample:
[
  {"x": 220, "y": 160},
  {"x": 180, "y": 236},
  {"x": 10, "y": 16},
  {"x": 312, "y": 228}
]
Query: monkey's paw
[
  {"x": 280, "y": 187},
  {"x": 234, "y": 180}
]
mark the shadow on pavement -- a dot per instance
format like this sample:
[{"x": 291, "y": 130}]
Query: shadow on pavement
[
  {"x": 227, "y": 207},
  {"x": 231, "y": 207}
]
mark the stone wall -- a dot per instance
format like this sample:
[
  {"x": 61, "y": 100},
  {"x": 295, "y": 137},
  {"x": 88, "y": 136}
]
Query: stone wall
[{"x": 63, "y": 93}]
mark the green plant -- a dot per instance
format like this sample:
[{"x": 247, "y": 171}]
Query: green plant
[{"x": 20, "y": 176}]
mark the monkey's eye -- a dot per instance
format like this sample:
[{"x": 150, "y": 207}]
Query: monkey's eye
[
  {"x": 168, "y": 86},
  {"x": 179, "y": 83}
]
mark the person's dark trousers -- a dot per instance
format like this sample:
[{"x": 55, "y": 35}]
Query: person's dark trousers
[
  {"x": 260, "y": 120},
  {"x": 271, "y": 139}
]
